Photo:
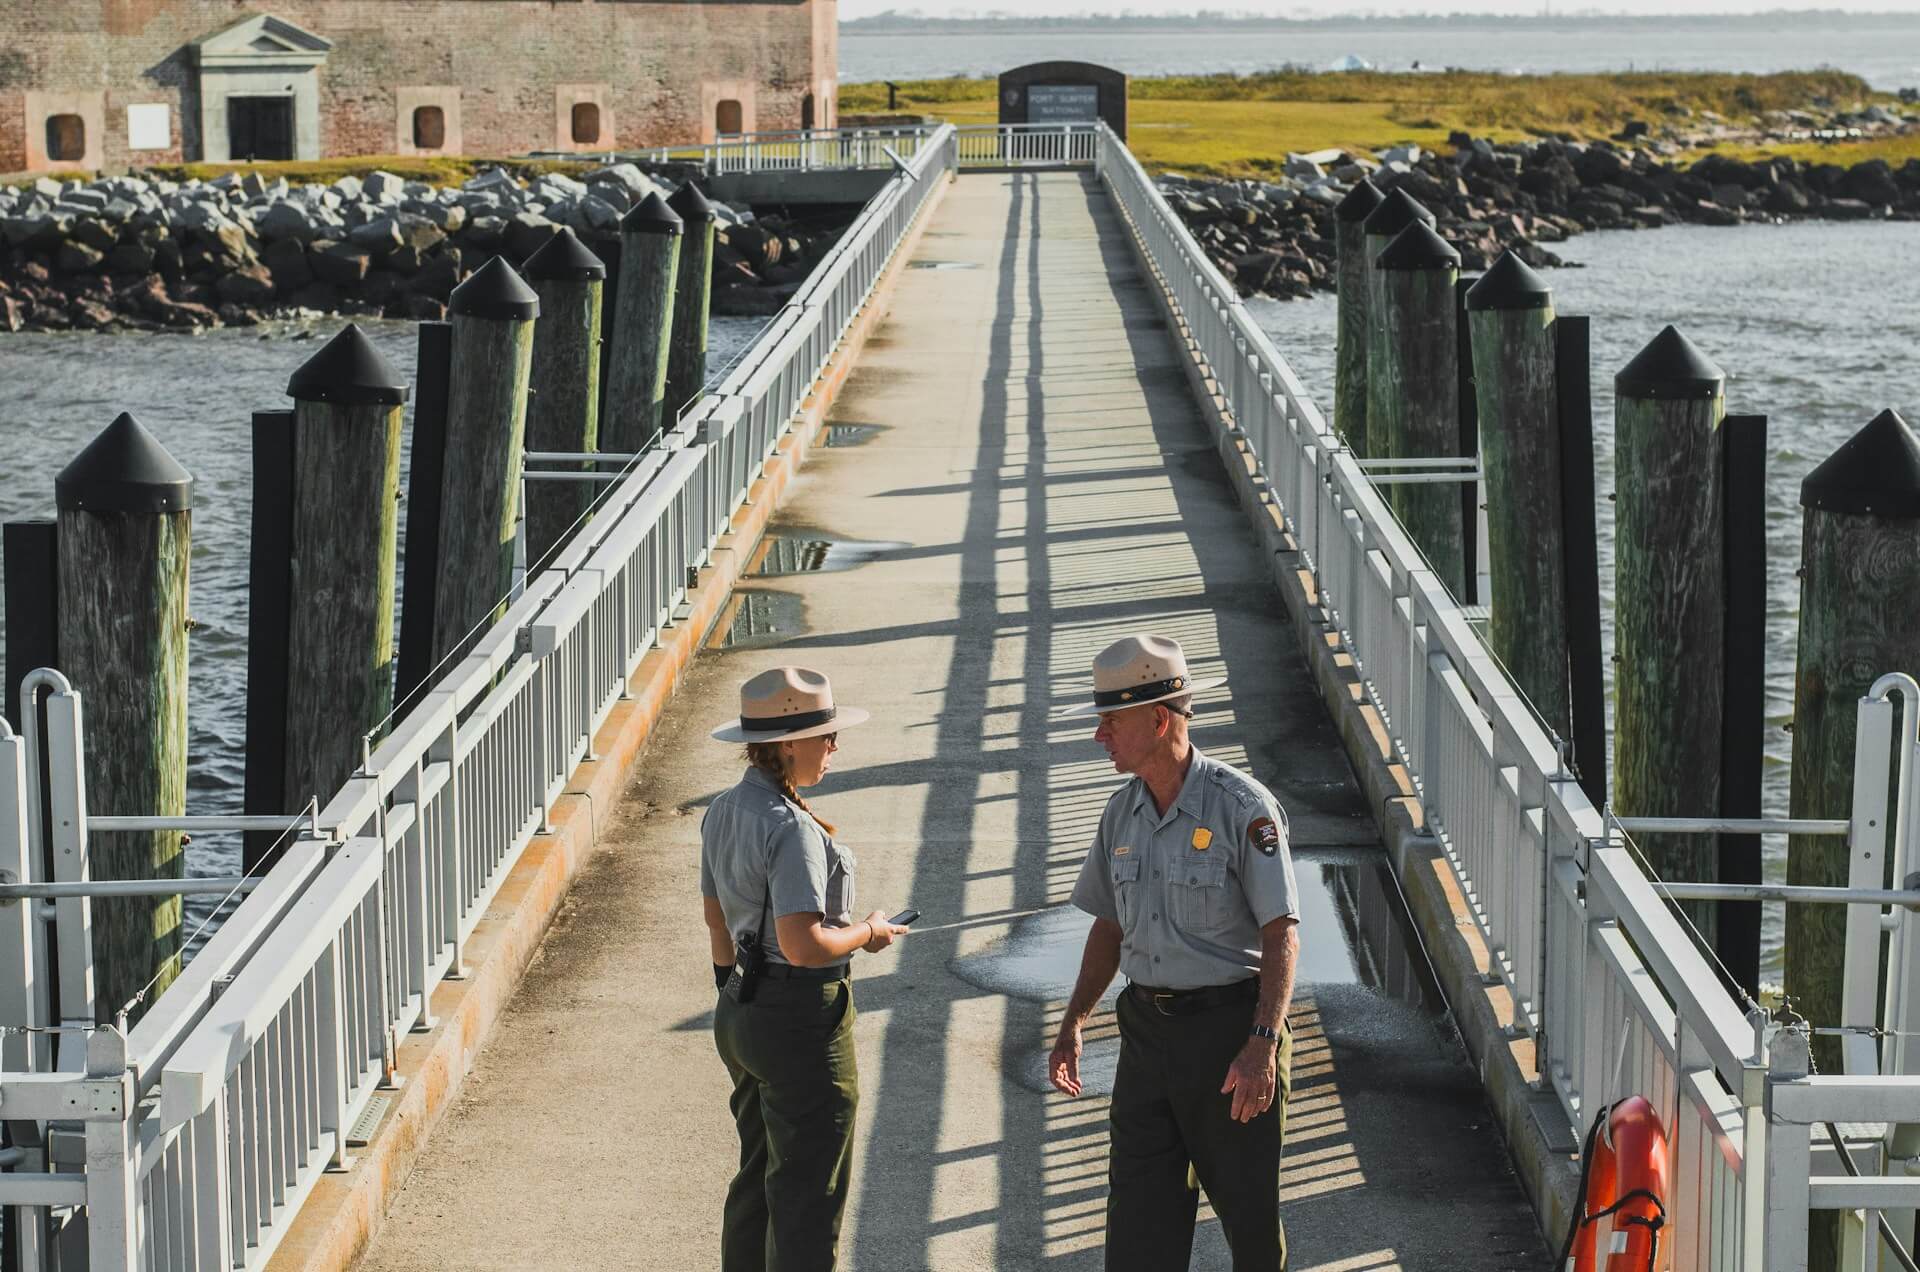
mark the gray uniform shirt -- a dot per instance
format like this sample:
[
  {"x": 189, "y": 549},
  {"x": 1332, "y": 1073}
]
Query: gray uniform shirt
[
  {"x": 1190, "y": 890},
  {"x": 756, "y": 848}
]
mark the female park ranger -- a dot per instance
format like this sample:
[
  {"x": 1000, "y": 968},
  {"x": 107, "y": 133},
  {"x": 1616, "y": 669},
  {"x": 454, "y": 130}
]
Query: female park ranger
[{"x": 779, "y": 908}]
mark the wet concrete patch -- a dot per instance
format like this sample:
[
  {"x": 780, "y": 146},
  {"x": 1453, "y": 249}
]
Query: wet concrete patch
[
  {"x": 758, "y": 619},
  {"x": 1360, "y": 964},
  {"x": 800, "y": 551}
]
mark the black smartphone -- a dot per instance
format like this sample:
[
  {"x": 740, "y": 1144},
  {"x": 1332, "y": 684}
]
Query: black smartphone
[{"x": 905, "y": 918}]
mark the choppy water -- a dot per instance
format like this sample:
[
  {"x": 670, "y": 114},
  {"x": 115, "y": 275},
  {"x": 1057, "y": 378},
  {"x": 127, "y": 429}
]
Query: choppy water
[
  {"x": 1815, "y": 326},
  {"x": 196, "y": 394},
  {"x": 1882, "y": 48}
]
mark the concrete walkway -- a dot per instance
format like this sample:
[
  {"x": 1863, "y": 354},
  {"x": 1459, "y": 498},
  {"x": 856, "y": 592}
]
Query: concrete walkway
[{"x": 1030, "y": 482}]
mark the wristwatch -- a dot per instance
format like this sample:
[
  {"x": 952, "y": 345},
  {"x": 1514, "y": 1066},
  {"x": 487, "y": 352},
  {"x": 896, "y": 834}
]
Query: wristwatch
[{"x": 1262, "y": 1031}]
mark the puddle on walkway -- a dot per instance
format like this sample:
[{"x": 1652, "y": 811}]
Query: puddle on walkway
[
  {"x": 760, "y": 618},
  {"x": 801, "y": 551},
  {"x": 1357, "y": 946},
  {"x": 852, "y": 434}
]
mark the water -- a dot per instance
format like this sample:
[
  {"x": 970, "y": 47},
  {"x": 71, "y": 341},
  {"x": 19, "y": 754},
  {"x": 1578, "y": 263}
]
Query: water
[
  {"x": 1882, "y": 48},
  {"x": 1814, "y": 328},
  {"x": 195, "y": 393}
]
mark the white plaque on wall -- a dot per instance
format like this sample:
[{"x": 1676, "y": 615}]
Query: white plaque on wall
[{"x": 150, "y": 126}]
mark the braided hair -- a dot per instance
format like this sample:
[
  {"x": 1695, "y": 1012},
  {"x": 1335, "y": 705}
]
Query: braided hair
[{"x": 771, "y": 760}]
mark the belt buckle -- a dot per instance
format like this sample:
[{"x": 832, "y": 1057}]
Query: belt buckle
[{"x": 1158, "y": 1003}]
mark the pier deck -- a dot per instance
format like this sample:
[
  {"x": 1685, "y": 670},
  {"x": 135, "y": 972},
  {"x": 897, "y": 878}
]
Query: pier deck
[{"x": 1040, "y": 482}]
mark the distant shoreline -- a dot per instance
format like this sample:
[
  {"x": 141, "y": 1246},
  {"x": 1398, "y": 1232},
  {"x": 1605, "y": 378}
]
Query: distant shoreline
[{"x": 1130, "y": 24}]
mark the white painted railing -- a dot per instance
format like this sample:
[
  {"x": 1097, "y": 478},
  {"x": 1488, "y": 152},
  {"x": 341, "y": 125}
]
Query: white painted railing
[
  {"x": 1613, "y": 992},
  {"x": 203, "y": 1129},
  {"x": 1028, "y": 145},
  {"x": 820, "y": 149}
]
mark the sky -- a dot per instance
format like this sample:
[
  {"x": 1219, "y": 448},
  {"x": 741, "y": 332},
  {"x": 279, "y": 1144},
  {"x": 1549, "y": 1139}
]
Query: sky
[{"x": 852, "y": 9}]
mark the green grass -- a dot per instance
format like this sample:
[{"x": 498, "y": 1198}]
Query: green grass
[
  {"x": 1246, "y": 124},
  {"x": 1895, "y": 150}
]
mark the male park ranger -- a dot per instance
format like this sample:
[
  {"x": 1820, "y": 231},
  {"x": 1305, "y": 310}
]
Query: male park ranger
[{"x": 1191, "y": 890}]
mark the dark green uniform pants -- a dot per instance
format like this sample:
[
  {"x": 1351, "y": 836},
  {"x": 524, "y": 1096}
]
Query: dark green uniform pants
[
  {"x": 790, "y": 1052},
  {"x": 1167, "y": 1114}
]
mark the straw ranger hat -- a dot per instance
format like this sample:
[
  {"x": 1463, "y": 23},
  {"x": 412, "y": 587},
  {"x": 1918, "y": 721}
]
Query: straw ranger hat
[
  {"x": 1138, "y": 670},
  {"x": 786, "y": 703}
]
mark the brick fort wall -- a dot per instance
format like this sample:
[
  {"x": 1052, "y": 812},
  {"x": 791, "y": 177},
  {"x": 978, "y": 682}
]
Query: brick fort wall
[{"x": 508, "y": 70}]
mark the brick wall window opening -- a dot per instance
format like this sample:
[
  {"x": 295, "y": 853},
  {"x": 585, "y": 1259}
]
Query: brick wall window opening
[
  {"x": 727, "y": 118},
  {"x": 806, "y": 111},
  {"x": 586, "y": 123},
  {"x": 429, "y": 128},
  {"x": 66, "y": 138}
]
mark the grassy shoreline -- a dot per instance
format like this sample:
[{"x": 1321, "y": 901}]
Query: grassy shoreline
[{"x": 1244, "y": 125}]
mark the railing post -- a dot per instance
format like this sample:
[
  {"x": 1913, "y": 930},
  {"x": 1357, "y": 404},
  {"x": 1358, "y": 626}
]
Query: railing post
[
  {"x": 332, "y": 1034},
  {"x": 73, "y": 925},
  {"x": 113, "y": 1158},
  {"x": 1788, "y": 1160}
]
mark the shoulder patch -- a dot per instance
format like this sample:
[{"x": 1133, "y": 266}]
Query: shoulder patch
[{"x": 1264, "y": 835}]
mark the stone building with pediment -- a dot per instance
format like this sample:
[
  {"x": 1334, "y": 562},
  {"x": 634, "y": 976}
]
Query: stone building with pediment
[{"x": 105, "y": 85}]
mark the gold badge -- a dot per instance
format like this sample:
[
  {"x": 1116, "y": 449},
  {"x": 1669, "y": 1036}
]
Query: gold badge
[{"x": 1201, "y": 839}]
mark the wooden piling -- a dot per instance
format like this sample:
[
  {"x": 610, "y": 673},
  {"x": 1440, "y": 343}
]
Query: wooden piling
[
  {"x": 1859, "y": 619},
  {"x": 1396, "y": 212},
  {"x": 1413, "y": 409},
  {"x": 492, "y": 315},
  {"x": 1350, "y": 332},
  {"x": 340, "y": 562},
  {"x": 650, "y": 238},
  {"x": 564, "y": 413},
  {"x": 1670, "y": 603},
  {"x": 1510, "y": 313},
  {"x": 692, "y": 300},
  {"x": 125, "y": 540}
]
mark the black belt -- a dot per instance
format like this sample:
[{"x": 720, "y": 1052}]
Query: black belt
[
  {"x": 786, "y": 971},
  {"x": 1185, "y": 1002}
]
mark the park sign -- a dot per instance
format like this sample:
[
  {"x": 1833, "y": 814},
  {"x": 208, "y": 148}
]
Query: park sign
[{"x": 1064, "y": 93}]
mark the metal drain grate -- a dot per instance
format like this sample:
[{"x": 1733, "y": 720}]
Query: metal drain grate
[{"x": 362, "y": 1129}]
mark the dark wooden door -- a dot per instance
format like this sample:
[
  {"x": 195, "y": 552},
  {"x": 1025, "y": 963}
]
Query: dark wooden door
[{"x": 260, "y": 127}]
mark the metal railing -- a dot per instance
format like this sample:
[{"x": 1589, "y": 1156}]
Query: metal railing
[
  {"x": 1028, "y": 145},
  {"x": 1614, "y": 992},
  {"x": 198, "y": 1134},
  {"x": 809, "y": 150}
]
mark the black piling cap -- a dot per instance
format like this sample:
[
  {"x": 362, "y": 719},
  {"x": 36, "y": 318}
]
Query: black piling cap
[
  {"x": 495, "y": 291},
  {"x": 1418, "y": 247},
  {"x": 350, "y": 371},
  {"x": 1876, "y": 471},
  {"x": 565, "y": 257},
  {"x": 124, "y": 469},
  {"x": 1510, "y": 284},
  {"x": 652, "y": 215},
  {"x": 1669, "y": 367},
  {"x": 691, "y": 205},
  {"x": 1396, "y": 212},
  {"x": 1360, "y": 201}
]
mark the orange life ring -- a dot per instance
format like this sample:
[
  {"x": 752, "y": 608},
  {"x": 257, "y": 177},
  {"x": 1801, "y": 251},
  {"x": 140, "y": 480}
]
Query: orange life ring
[{"x": 1626, "y": 1181}]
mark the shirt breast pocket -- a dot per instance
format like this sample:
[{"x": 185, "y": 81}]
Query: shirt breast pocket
[
  {"x": 1126, "y": 887},
  {"x": 1199, "y": 896}
]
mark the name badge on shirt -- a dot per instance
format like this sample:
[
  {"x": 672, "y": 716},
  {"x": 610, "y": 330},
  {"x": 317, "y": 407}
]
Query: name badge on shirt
[
  {"x": 1123, "y": 850},
  {"x": 1202, "y": 838}
]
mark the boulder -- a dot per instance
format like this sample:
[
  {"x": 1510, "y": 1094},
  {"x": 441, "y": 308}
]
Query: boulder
[
  {"x": 527, "y": 233},
  {"x": 342, "y": 264},
  {"x": 252, "y": 285},
  {"x": 419, "y": 233},
  {"x": 492, "y": 179},
  {"x": 1870, "y": 182},
  {"x": 320, "y": 297},
  {"x": 380, "y": 235},
  {"x": 1848, "y": 210},
  {"x": 1787, "y": 199},
  {"x": 598, "y": 216},
  {"x": 1301, "y": 168},
  {"x": 383, "y": 187},
  {"x": 287, "y": 220},
  {"x": 485, "y": 231},
  {"x": 286, "y": 260},
  {"x": 439, "y": 275},
  {"x": 627, "y": 175},
  {"x": 78, "y": 258},
  {"x": 1402, "y": 154},
  {"x": 95, "y": 233},
  {"x": 349, "y": 189},
  {"x": 131, "y": 257}
]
